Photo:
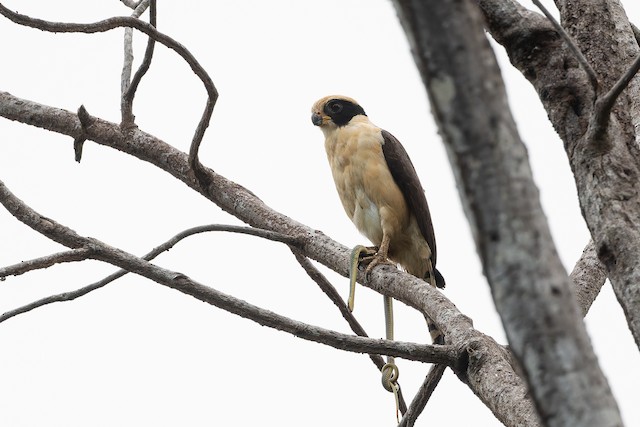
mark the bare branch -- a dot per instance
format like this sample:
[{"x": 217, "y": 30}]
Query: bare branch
[
  {"x": 491, "y": 374},
  {"x": 47, "y": 261},
  {"x": 129, "y": 88},
  {"x": 100, "y": 251},
  {"x": 593, "y": 78},
  {"x": 72, "y": 295},
  {"x": 149, "y": 30},
  {"x": 131, "y": 3},
  {"x": 588, "y": 276},
  {"x": 604, "y": 105},
  {"x": 335, "y": 297},
  {"x": 422, "y": 396},
  {"x": 62, "y": 297}
]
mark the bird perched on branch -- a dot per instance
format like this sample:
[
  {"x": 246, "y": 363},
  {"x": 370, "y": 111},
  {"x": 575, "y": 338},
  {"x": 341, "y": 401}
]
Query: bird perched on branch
[
  {"x": 378, "y": 187},
  {"x": 381, "y": 193}
]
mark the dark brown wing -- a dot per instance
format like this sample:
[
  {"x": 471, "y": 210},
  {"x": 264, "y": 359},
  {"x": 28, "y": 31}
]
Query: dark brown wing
[{"x": 407, "y": 179}]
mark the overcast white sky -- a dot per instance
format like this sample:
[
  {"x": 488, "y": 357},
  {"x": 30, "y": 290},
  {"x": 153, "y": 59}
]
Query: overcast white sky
[{"x": 136, "y": 353}]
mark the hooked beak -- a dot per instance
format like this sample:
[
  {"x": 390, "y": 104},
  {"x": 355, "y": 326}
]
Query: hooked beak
[{"x": 316, "y": 119}]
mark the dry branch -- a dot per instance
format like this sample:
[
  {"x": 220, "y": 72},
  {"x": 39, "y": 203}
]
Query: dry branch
[
  {"x": 100, "y": 251},
  {"x": 149, "y": 30},
  {"x": 489, "y": 372},
  {"x": 47, "y": 261},
  {"x": 337, "y": 300},
  {"x": 422, "y": 396},
  {"x": 593, "y": 78},
  {"x": 588, "y": 277},
  {"x": 128, "y": 86},
  {"x": 599, "y": 123},
  {"x": 72, "y": 295}
]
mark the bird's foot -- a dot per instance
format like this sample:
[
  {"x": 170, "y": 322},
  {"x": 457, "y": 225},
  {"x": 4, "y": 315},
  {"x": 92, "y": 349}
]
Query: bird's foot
[{"x": 376, "y": 260}]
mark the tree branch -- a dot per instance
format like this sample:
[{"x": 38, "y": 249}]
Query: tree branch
[
  {"x": 490, "y": 376},
  {"x": 602, "y": 111},
  {"x": 355, "y": 326},
  {"x": 588, "y": 277},
  {"x": 129, "y": 87},
  {"x": 593, "y": 78},
  {"x": 100, "y": 251},
  {"x": 131, "y": 3},
  {"x": 72, "y": 295},
  {"x": 423, "y": 395},
  {"x": 149, "y": 30},
  {"x": 606, "y": 172},
  {"x": 529, "y": 285},
  {"x": 47, "y": 261}
]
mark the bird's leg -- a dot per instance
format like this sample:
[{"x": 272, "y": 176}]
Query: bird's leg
[{"x": 380, "y": 257}]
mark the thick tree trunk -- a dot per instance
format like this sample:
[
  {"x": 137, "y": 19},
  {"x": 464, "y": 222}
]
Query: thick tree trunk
[
  {"x": 530, "y": 287},
  {"x": 605, "y": 169}
]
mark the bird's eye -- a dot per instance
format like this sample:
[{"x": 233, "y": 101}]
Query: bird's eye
[{"x": 335, "y": 107}]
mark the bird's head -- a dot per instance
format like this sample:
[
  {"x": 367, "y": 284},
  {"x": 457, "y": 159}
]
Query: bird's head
[{"x": 335, "y": 111}]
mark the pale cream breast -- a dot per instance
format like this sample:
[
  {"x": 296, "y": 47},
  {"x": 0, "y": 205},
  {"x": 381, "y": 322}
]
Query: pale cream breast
[{"x": 363, "y": 180}]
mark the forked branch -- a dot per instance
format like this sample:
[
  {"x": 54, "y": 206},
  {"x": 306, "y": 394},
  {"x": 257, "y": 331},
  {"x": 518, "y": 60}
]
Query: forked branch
[
  {"x": 593, "y": 78},
  {"x": 335, "y": 297},
  {"x": 604, "y": 103},
  {"x": 75, "y": 253},
  {"x": 129, "y": 87},
  {"x": 102, "y": 252},
  {"x": 149, "y": 30}
]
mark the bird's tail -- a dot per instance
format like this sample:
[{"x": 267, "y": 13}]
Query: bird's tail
[
  {"x": 439, "y": 278},
  {"x": 437, "y": 337},
  {"x": 433, "y": 276},
  {"x": 435, "y": 279}
]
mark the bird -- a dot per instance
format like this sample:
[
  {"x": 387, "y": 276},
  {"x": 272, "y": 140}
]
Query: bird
[
  {"x": 378, "y": 187},
  {"x": 382, "y": 195}
]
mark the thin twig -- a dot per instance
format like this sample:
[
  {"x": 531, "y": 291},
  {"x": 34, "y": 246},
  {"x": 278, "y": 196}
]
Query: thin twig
[
  {"x": 73, "y": 255},
  {"x": 131, "y": 4},
  {"x": 423, "y": 395},
  {"x": 593, "y": 77},
  {"x": 335, "y": 297},
  {"x": 604, "y": 104},
  {"x": 636, "y": 33},
  {"x": 148, "y": 29},
  {"x": 337, "y": 300},
  {"x": 129, "y": 87},
  {"x": 72, "y": 295}
]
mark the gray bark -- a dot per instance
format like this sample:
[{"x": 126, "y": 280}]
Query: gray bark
[
  {"x": 606, "y": 169},
  {"x": 588, "y": 276},
  {"x": 529, "y": 285}
]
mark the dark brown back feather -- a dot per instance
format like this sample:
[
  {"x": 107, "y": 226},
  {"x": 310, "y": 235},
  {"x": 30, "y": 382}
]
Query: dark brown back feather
[{"x": 407, "y": 180}]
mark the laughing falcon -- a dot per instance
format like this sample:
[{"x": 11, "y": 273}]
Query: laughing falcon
[{"x": 378, "y": 187}]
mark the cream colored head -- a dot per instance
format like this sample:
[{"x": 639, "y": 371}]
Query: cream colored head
[{"x": 334, "y": 111}]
